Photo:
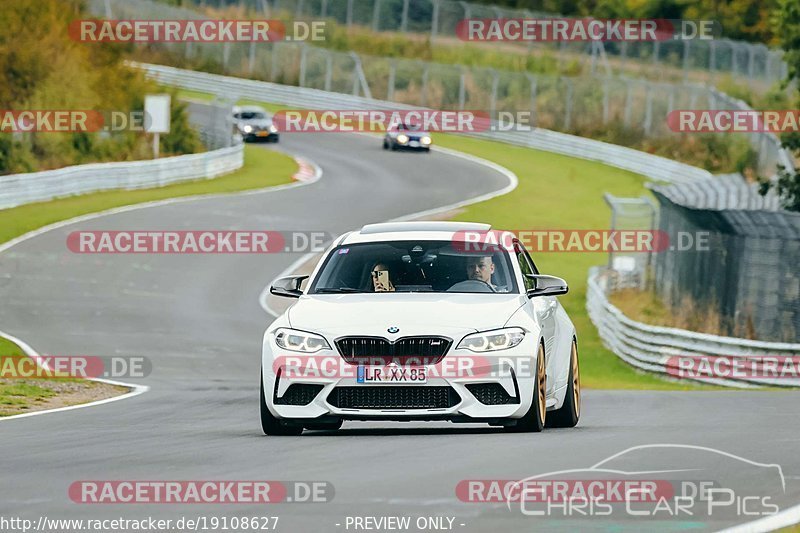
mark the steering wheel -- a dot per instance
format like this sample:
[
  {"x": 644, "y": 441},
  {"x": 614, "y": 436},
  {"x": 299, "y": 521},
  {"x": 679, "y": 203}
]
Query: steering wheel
[{"x": 471, "y": 285}]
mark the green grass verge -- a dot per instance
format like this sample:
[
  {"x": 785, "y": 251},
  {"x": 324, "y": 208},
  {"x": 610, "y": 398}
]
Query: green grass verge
[
  {"x": 16, "y": 394},
  {"x": 262, "y": 168},
  {"x": 559, "y": 192}
]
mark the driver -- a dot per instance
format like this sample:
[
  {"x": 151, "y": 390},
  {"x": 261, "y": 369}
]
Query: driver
[{"x": 481, "y": 269}]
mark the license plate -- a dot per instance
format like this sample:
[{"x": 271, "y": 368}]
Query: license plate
[
  {"x": 262, "y": 134},
  {"x": 414, "y": 144},
  {"x": 390, "y": 374}
]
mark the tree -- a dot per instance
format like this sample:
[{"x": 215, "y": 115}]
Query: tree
[{"x": 787, "y": 185}]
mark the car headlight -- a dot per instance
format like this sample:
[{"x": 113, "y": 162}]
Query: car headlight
[
  {"x": 300, "y": 341},
  {"x": 273, "y": 129},
  {"x": 247, "y": 128},
  {"x": 402, "y": 138},
  {"x": 489, "y": 341},
  {"x": 425, "y": 140}
]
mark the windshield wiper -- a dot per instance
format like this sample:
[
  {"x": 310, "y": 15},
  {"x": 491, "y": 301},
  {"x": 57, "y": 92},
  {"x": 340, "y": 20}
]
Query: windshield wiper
[{"x": 328, "y": 290}]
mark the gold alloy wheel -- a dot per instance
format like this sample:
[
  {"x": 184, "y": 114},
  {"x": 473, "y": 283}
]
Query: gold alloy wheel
[
  {"x": 576, "y": 380},
  {"x": 541, "y": 383}
]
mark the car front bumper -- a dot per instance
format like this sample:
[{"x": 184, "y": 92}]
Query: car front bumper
[
  {"x": 499, "y": 386},
  {"x": 255, "y": 137}
]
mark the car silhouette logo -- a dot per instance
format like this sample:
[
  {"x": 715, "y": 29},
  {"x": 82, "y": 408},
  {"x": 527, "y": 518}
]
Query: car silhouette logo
[{"x": 393, "y": 329}]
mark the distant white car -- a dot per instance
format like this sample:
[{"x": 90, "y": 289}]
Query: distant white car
[
  {"x": 253, "y": 123},
  {"x": 409, "y": 321},
  {"x": 407, "y": 137}
]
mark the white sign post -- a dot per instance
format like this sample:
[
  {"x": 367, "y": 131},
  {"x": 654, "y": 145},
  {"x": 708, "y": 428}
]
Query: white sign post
[{"x": 156, "y": 117}]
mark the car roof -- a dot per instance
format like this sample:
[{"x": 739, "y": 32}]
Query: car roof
[
  {"x": 248, "y": 108},
  {"x": 412, "y": 231}
]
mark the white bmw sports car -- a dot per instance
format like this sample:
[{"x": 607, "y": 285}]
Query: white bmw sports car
[{"x": 421, "y": 321}]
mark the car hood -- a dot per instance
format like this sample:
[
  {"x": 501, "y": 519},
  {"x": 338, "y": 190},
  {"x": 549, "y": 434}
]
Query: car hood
[{"x": 412, "y": 313}]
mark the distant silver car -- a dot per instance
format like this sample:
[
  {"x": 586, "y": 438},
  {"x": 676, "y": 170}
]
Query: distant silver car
[
  {"x": 253, "y": 123},
  {"x": 407, "y": 137}
]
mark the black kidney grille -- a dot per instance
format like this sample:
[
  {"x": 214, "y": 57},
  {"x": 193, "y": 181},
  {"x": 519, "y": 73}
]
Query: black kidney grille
[
  {"x": 378, "y": 350},
  {"x": 393, "y": 397},
  {"x": 491, "y": 394},
  {"x": 299, "y": 394}
]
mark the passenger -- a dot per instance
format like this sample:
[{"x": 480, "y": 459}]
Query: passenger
[{"x": 381, "y": 282}]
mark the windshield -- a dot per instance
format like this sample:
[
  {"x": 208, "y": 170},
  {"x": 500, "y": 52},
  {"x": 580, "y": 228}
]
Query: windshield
[
  {"x": 414, "y": 266},
  {"x": 251, "y": 115}
]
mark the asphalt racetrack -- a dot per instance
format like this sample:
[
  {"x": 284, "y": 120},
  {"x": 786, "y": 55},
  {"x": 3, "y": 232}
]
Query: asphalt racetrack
[{"x": 198, "y": 319}]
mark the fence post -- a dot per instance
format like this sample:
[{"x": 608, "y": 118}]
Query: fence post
[
  {"x": 376, "y": 13},
  {"x": 656, "y": 52},
  {"x": 274, "y": 62},
  {"x": 303, "y": 54},
  {"x": 323, "y": 11},
  {"x": 628, "y": 101},
  {"x": 493, "y": 101},
  {"x": 226, "y": 52},
  {"x": 532, "y": 80},
  {"x": 712, "y": 60},
  {"x": 568, "y": 110},
  {"x": 251, "y": 60},
  {"x": 467, "y": 10},
  {"x": 425, "y": 84},
  {"x": 605, "y": 101},
  {"x": 404, "y": 17},
  {"x": 435, "y": 19},
  {"x": 390, "y": 83},
  {"x": 648, "y": 111},
  {"x": 299, "y": 10},
  {"x": 686, "y": 46},
  {"x": 265, "y": 7},
  {"x": 462, "y": 96},
  {"x": 358, "y": 76},
  {"x": 670, "y": 102},
  {"x": 328, "y": 70},
  {"x": 349, "y": 15}
]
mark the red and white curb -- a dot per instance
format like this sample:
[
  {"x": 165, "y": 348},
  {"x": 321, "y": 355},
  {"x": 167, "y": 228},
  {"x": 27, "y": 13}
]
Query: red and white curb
[{"x": 308, "y": 171}]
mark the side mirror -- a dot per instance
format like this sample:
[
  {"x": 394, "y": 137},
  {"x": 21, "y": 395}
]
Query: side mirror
[
  {"x": 546, "y": 285},
  {"x": 288, "y": 286}
]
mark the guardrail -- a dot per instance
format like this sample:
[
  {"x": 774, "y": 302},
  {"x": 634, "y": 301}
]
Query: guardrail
[
  {"x": 20, "y": 189},
  {"x": 657, "y": 348},
  {"x": 654, "y": 167}
]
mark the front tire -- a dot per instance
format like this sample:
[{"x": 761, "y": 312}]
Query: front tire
[
  {"x": 570, "y": 412},
  {"x": 271, "y": 425},
  {"x": 534, "y": 419}
]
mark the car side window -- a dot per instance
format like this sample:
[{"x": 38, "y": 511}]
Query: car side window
[{"x": 525, "y": 265}]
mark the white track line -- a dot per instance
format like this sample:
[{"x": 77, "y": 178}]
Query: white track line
[
  {"x": 785, "y": 518},
  {"x": 513, "y": 181},
  {"x": 136, "y": 389}
]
